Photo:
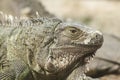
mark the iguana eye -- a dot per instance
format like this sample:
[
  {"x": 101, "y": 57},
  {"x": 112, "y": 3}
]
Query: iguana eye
[{"x": 72, "y": 32}]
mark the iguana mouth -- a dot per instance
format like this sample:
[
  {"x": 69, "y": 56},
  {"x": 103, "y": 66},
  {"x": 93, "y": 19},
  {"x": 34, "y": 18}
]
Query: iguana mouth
[{"x": 68, "y": 58}]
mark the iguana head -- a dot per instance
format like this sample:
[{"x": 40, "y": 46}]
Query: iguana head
[{"x": 71, "y": 46}]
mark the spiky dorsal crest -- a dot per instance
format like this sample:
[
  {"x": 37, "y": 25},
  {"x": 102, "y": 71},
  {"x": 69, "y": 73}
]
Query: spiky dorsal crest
[{"x": 13, "y": 21}]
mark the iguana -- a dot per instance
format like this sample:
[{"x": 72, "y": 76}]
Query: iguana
[
  {"x": 45, "y": 49},
  {"x": 97, "y": 67}
]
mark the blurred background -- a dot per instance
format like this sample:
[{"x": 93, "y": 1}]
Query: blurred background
[{"x": 103, "y": 15}]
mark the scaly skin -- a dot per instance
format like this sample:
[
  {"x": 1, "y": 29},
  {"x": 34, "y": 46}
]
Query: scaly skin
[{"x": 46, "y": 49}]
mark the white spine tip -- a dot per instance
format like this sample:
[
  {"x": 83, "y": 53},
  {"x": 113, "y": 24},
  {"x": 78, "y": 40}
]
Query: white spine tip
[{"x": 98, "y": 32}]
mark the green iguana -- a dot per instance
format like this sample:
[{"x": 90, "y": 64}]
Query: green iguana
[{"x": 45, "y": 49}]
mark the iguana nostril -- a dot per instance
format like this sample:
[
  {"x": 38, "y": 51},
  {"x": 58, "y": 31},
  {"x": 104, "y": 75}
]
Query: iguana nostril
[{"x": 98, "y": 38}]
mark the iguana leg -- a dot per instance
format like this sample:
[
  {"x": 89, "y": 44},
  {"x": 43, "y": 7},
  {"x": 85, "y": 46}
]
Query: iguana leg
[{"x": 78, "y": 74}]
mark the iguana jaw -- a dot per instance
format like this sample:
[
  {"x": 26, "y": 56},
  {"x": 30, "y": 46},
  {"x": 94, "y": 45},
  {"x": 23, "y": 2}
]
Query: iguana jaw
[{"x": 66, "y": 59}]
